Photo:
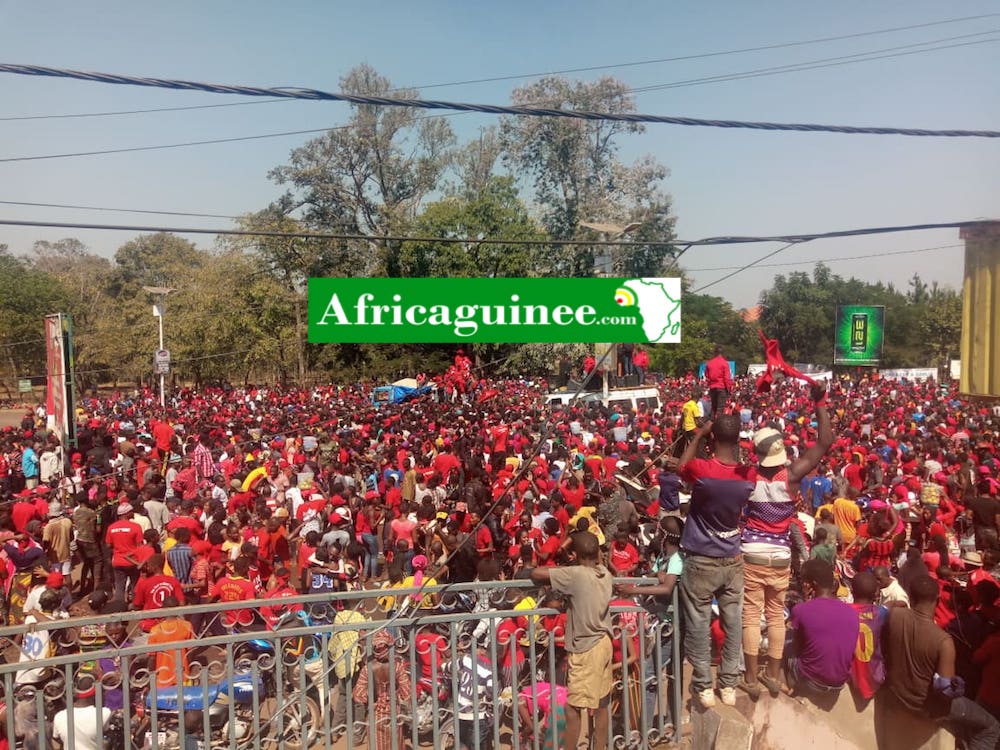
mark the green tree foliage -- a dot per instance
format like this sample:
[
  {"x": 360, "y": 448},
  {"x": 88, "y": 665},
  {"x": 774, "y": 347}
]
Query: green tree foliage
[
  {"x": 922, "y": 326},
  {"x": 494, "y": 212},
  {"x": 577, "y": 175},
  {"x": 27, "y": 295},
  {"x": 371, "y": 175}
]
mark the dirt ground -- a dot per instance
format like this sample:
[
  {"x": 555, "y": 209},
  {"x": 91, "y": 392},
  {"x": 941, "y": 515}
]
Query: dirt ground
[{"x": 11, "y": 417}]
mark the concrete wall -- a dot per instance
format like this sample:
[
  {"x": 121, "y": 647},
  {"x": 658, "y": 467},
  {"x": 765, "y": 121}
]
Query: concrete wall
[{"x": 784, "y": 722}]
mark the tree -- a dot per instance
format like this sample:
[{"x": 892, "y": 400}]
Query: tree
[
  {"x": 577, "y": 175},
  {"x": 371, "y": 175},
  {"x": 27, "y": 295},
  {"x": 128, "y": 336},
  {"x": 800, "y": 312},
  {"x": 85, "y": 277},
  {"x": 495, "y": 212},
  {"x": 475, "y": 163},
  {"x": 941, "y": 325}
]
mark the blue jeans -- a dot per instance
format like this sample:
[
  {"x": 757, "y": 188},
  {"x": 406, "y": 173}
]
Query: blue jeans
[
  {"x": 371, "y": 555},
  {"x": 705, "y": 579}
]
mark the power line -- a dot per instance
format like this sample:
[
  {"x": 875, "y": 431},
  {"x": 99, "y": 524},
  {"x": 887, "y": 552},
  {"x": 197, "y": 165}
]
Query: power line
[
  {"x": 519, "y": 76},
  {"x": 869, "y": 256},
  {"x": 761, "y": 72},
  {"x": 161, "y": 147},
  {"x": 117, "y": 210},
  {"x": 698, "y": 56},
  {"x": 830, "y": 62},
  {"x": 524, "y": 111},
  {"x": 708, "y": 241},
  {"x": 771, "y": 254},
  {"x": 327, "y": 235},
  {"x": 80, "y": 115}
]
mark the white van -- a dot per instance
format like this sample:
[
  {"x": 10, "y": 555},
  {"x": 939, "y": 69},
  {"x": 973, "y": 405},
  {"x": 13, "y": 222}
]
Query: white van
[{"x": 623, "y": 399}]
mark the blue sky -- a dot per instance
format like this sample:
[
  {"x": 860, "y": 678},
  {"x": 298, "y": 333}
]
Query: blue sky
[{"x": 722, "y": 182}]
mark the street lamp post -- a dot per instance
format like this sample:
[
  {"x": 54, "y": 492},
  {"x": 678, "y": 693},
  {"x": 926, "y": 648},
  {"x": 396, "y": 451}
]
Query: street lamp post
[
  {"x": 160, "y": 293},
  {"x": 610, "y": 231}
]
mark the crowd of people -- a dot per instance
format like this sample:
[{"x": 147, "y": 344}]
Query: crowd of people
[{"x": 821, "y": 539}]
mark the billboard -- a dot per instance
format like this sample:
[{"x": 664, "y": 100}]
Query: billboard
[
  {"x": 858, "y": 335},
  {"x": 59, "y": 378}
]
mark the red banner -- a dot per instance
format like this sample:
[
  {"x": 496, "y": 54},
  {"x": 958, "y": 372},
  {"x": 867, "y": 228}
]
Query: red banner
[{"x": 57, "y": 402}]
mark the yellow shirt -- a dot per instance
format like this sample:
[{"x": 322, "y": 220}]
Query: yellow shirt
[
  {"x": 846, "y": 514},
  {"x": 427, "y": 601},
  {"x": 690, "y": 414},
  {"x": 588, "y": 511},
  {"x": 170, "y": 542}
]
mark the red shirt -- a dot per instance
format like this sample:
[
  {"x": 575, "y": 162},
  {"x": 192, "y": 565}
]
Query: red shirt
[
  {"x": 273, "y": 613},
  {"x": 124, "y": 537},
  {"x": 573, "y": 497},
  {"x": 624, "y": 560},
  {"x": 484, "y": 540},
  {"x": 150, "y": 591},
  {"x": 445, "y": 463},
  {"x": 21, "y": 514},
  {"x": 234, "y": 589},
  {"x": 718, "y": 374},
  {"x": 187, "y": 522},
  {"x": 549, "y": 547}
]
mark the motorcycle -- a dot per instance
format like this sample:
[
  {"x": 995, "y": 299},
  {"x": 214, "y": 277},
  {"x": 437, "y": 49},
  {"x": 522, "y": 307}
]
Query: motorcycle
[
  {"x": 298, "y": 721},
  {"x": 235, "y": 693}
]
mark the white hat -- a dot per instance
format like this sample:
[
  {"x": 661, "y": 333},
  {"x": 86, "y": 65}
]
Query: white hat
[{"x": 769, "y": 444}]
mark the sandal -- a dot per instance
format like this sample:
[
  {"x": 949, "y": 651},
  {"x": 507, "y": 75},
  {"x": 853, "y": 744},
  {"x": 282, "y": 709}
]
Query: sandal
[
  {"x": 773, "y": 686},
  {"x": 750, "y": 688}
]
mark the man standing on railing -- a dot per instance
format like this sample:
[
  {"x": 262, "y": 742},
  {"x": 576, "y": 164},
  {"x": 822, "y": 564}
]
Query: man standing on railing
[{"x": 588, "y": 637}]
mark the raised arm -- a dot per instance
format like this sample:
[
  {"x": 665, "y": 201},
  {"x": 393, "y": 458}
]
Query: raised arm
[
  {"x": 692, "y": 448},
  {"x": 812, "y": 455}
]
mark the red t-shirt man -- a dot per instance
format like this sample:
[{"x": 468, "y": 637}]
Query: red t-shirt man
[
  {"x": 124, "y": 537},
  {"x": 190, "y": 523},
  {"x": 151, "y": 591},
  {"x": 232, "y": 588}
]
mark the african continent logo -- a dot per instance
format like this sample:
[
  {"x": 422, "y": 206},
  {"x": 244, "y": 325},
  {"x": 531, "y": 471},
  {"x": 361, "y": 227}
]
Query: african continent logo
[{"x": 659, "y": 303}]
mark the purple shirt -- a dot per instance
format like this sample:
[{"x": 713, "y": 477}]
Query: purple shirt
[{"x": 826, "y": 631}]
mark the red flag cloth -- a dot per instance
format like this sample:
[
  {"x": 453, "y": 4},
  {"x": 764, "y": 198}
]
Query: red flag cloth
[
  {"x": 776, "y": 362},
  {"x": 487, "y": 395}
]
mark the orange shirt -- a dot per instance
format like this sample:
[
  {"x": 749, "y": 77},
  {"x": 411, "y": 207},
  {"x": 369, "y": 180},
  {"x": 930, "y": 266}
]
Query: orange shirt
[{"x": 171, "y": 630}]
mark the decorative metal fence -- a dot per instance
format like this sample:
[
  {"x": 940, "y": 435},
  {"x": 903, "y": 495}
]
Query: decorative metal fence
[{"x": 379, "y": 669}]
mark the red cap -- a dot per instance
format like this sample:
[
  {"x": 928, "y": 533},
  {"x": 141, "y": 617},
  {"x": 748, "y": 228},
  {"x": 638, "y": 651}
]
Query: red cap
[{"x": 55, "y": 580}]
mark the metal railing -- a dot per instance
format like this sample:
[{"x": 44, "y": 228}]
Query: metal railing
[{"x": 492, "y": 671}]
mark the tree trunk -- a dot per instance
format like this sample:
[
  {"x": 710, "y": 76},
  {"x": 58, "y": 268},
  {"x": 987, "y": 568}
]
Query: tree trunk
[{"x": 300, "y": 351}]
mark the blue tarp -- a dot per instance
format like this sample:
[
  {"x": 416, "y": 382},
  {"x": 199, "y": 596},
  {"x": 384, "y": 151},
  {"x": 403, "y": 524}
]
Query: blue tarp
[{"x": 396, "y": 394}]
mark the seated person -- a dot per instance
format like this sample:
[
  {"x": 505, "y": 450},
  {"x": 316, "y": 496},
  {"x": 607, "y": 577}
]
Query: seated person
[{"x": 819, "y": 657}]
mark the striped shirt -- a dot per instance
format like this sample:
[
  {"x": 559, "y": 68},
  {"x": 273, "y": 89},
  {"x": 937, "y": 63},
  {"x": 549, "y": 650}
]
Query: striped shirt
[
  {"x": 179, "y": 558},
  {"x": 768, "y": 516}
]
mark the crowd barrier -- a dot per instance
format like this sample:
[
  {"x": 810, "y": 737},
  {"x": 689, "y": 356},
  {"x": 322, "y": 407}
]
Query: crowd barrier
[{"x": 287, "y": 688}]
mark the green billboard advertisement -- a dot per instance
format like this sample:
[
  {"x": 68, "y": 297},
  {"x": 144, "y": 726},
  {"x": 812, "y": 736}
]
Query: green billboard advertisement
[
  {"x": 504, "y": 310},
  {"x": 859, "y": 335}
]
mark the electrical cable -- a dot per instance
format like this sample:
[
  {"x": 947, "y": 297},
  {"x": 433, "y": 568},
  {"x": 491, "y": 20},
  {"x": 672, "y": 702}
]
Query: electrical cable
[
  {"x": 702, "y": 55},
  {"x": 563, "y": 71},
  {"x": 165, "y": 146},
  {"x": 869, "y": 256},
  {"x": 117, "y": 210},
  {"x": 708, "y": 241},
  {"x": 784, "y": 247},
  {"x": 830, "y": 62},
  {"x": 431, "y": 104},
  {"x": 655, "y": 87}
]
